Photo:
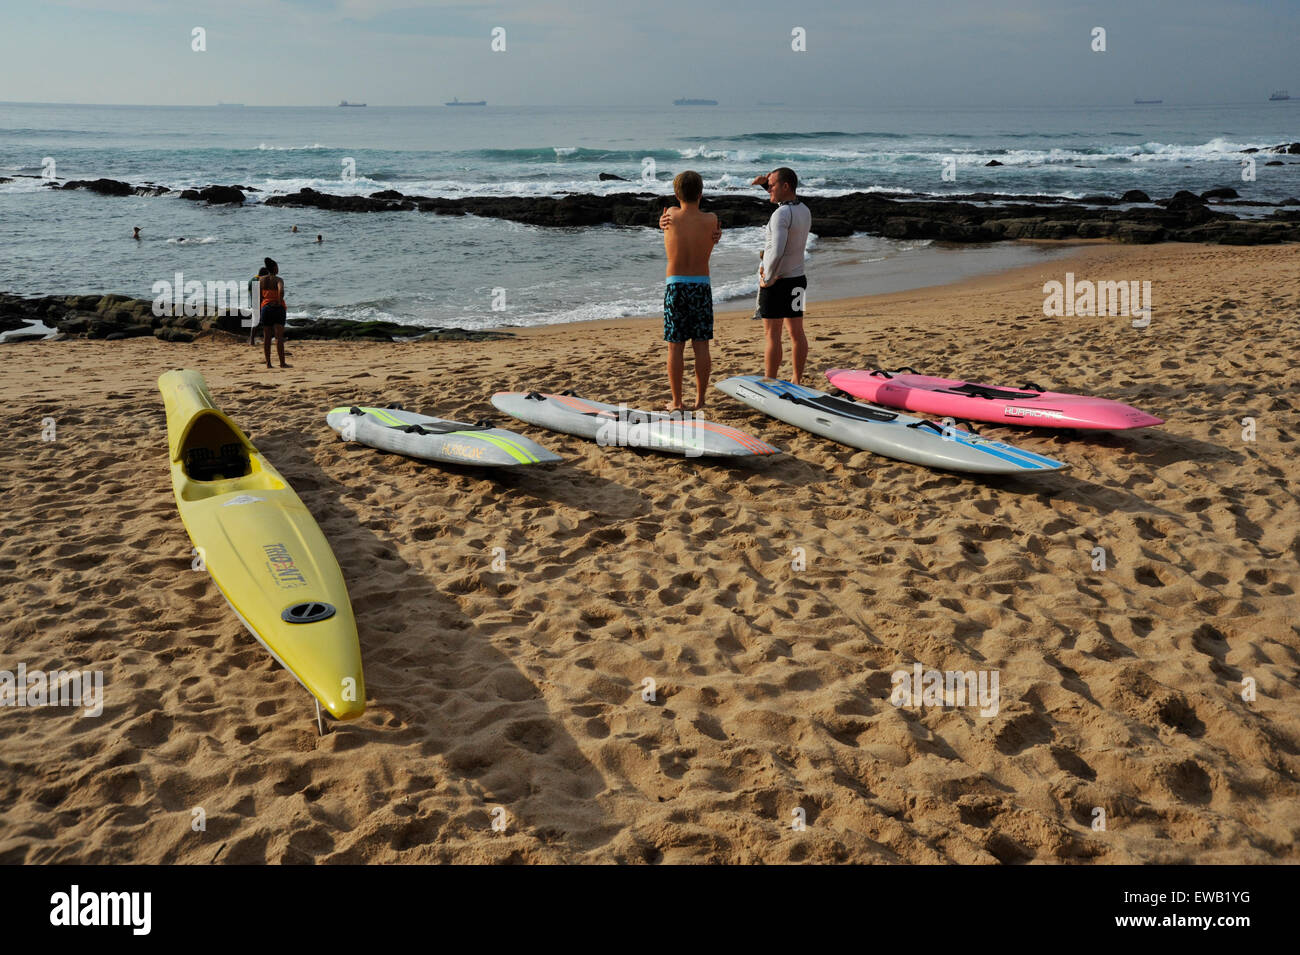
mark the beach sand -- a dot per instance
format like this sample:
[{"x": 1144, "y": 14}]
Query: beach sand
[{"x": 521, "y": 688}]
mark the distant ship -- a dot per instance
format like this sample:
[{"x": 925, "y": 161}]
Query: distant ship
[
  {"x": 695, "y": 102},
  {"x": 456, "y": 102},
  {"x": 344, "y": 102},
  {"x": 1146, "y": 102},
  {"x": 1280, "y": 95}
]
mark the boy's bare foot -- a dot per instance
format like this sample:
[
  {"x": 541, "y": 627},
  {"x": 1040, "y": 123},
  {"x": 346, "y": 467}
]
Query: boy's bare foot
[
  {"x": 699, "y": 404},
  {"x": 674, "y": 409}
]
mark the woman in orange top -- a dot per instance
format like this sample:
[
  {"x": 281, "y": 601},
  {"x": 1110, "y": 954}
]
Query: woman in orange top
[{"x": 273, "y": 311}]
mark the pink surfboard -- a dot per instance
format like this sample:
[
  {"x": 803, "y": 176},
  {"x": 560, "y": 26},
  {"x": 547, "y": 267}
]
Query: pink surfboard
[{"x": 1029, "y": 406}]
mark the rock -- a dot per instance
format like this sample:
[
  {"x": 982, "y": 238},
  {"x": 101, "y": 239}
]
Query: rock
[
  {"x": 1139, "y": 234},
  {"x": 215, "y": 195},
  {"x": 993, "y": 162},
  {"x": 831, "y": 228},
  {"x": 320, "y": 200},
  {"x": 389, "y": 194},
  {"x": 1223, "y": 192},
  {"x": 610, "y": 177},
  {"x": 1292, "y": 149},
  {"x": 1275, "y": 162},
  {"x": 105, "y": 187},
  {"x": 174, "y": 335},
  {"x": 1135, "y": 195}
]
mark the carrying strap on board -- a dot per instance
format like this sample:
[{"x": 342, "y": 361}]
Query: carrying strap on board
[{"x": 838, "y": 406}]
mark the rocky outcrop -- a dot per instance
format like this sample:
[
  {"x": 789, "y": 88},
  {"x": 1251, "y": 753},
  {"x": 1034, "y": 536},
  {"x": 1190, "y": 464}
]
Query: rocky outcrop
[
  {"x": 1292, "y": 149},
  {"x": 111, "y": 187},
  {"x": 323, "y": 200},
  {"x": 974, "y": 217},
  {"x": 216, "y": 195},
  {"x": 116, "y": 317}
]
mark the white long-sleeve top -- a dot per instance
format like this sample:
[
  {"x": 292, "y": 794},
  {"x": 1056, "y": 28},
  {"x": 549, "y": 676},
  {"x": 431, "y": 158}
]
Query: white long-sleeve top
[{"x": 786, "y": 236}]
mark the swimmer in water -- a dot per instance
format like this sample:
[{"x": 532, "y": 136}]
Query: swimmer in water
[
  {"x": 319, "y": 239},
  {"x": 294, "y": 229},
  {"x": 136, "y": 234}
]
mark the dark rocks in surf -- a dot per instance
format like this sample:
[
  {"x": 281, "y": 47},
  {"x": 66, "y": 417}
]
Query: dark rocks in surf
[
  {"x": 610, "y": 177},
  {"x": 104, "y": 187},
  {"x": 117, "y": 317},
  {"x": 1292, "y": 149},
  {"x": 1222, "y": 192},
  {"x": 971, "y": 217},
  {"x": 322, "y": 200},
  {"x": 993, "y": 162},
  {"x": 216, "y": 195}
]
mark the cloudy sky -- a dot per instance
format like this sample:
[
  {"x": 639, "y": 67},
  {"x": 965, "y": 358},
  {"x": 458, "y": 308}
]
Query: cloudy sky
[{"x": 646, "y": 52}]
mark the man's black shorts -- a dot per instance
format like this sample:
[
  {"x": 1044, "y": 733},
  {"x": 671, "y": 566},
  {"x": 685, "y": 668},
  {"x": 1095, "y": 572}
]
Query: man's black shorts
[{"x": 780, "y": 299}]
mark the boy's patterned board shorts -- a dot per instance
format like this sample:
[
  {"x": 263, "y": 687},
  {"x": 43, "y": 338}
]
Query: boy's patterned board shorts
[{"x": 688, "y": 311}]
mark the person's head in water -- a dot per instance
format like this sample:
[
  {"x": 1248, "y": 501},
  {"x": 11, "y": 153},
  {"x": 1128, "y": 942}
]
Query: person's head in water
[
  {"x": 294, "y": 229},
  {"x": 136, "y": 233},
  {"x": 688, "y": 186},
  {"x": 781, "y": 184},
  {"x": 320, "y": 238},
  {"x": 271, "y": 267}
]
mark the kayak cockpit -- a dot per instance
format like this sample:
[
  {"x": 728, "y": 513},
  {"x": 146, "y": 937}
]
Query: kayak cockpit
[{"x": 214, "y": 450}]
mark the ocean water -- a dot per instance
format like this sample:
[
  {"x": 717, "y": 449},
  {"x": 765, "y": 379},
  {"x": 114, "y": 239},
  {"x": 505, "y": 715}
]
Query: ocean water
[{"x": 415, "y": 267}]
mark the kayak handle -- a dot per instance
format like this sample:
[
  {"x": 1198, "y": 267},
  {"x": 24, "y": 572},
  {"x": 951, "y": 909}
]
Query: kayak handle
[{"x": 882, "y": 373}]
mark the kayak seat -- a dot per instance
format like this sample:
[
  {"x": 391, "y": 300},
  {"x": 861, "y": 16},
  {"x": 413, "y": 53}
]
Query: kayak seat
[{"x": 228, "y": 461}]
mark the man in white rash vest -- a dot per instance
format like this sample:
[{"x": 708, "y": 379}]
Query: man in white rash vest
[{"x": 781, "y": 279}]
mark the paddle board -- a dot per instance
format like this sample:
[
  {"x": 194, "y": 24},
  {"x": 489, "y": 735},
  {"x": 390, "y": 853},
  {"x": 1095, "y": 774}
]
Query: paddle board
[
  {"x": 617, "y": 425},
  {"x": 262, "y": 547},
  {"x": 1026, "y": 406},
  {"x": 885, "y": 432},
  {"x": 436, "y": 439}
]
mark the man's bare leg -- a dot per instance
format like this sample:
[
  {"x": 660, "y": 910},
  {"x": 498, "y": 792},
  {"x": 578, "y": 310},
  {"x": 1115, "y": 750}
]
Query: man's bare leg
[
  {"x": 772, "y": 347},
  {"x": 676, "y": 364},
  {"x": 703, "y": 368},
  {"x": 798, "y": 347}
]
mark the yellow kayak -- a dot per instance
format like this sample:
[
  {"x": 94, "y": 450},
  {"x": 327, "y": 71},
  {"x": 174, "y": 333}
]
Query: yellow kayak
[{"x": 262, "y": 547}]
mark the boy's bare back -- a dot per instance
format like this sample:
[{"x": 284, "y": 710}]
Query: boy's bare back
[{"x": 689, "y": 240}]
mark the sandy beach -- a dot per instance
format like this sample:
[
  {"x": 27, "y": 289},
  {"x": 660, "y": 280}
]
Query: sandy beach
[{"x": 520, "y": 687}]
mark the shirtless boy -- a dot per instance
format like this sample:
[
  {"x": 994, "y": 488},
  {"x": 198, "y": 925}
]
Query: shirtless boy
[{"x": 689, "y": 237}]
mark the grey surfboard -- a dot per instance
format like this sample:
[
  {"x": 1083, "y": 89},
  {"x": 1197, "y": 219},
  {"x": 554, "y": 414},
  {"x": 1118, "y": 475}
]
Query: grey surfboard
[
  {"x": 882, "y": 430},
  {"x": 436, "y": 439},
  {"x": 618, "y": 426}
]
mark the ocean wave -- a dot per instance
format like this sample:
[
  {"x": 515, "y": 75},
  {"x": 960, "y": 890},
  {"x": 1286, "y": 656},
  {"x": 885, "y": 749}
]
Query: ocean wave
[{"x": 290, "y": 149}]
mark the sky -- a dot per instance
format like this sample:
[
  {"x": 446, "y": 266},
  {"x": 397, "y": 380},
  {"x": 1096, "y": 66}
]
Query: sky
[{"x": 648, "y": 52}]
